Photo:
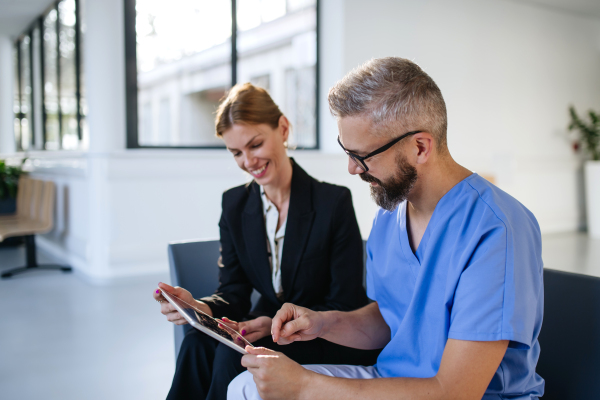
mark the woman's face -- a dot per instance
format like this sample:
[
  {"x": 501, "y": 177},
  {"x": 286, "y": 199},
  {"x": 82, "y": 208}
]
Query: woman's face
[{"x": 259, "y": 149}]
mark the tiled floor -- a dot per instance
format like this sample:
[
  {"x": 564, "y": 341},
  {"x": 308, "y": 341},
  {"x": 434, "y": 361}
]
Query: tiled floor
[{"x": 61, "y": 338}]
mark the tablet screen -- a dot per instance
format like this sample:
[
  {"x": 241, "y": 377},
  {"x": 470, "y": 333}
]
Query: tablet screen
[{"x": 207, "y": 324}]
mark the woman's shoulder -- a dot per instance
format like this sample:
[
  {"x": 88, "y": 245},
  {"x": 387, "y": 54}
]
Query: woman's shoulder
[{"x": 238, "y": 195}]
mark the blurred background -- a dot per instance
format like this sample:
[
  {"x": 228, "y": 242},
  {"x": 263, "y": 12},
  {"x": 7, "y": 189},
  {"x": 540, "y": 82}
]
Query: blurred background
[{"x": 114, "y": 100}]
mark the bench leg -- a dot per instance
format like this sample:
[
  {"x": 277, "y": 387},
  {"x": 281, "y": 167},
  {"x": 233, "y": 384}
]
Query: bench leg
[{"x": 31, "y": 259}]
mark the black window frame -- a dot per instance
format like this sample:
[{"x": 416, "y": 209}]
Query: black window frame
[
  {"x": 39, "y": 23},
  {"x": 131, "y": 91}
]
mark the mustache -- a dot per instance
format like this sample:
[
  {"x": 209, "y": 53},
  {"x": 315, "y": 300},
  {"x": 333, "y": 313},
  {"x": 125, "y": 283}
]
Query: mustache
[{"x": 365, "y": 176}]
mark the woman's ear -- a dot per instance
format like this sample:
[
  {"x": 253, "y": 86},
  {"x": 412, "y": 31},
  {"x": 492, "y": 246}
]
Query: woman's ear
[{"x": 284, "y": 127}]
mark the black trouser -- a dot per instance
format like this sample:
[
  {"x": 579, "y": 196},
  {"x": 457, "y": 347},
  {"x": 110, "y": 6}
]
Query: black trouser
[{"x": 205, "y": 367}]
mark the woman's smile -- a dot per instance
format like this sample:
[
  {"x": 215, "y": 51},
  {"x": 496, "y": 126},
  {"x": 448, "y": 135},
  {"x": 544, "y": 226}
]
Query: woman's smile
[{"x": 259, "y": 173}]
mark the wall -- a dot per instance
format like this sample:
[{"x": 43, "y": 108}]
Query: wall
[{"x": 507, "y": 70}]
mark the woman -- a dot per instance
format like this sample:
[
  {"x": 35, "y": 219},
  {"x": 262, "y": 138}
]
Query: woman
[{"x": 319, "y": 266}]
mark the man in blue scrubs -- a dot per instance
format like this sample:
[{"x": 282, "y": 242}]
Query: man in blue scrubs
[{"x": 454, "y": 265}]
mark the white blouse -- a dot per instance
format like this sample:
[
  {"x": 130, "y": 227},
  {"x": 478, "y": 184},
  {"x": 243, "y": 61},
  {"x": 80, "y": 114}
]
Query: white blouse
[{"x": 274, "y": 240}]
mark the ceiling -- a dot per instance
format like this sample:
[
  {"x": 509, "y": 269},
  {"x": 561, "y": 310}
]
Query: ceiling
[
  {"x": 16, "y": 15},
  {"x": 590, "y": 8}
]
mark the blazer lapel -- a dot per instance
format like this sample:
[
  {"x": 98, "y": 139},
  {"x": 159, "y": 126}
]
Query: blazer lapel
[
  {"x": 299, "y": 222},
  {"x": 255, "y": 237}
]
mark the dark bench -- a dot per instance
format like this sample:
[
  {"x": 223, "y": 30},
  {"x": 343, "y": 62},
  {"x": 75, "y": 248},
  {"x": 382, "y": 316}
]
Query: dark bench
[{"x": 569, "y": 340}]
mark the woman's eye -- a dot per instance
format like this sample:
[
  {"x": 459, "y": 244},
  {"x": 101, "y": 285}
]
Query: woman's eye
[
  {"x": 237, "y": 154},
  {"x": 255, "y": 146}
]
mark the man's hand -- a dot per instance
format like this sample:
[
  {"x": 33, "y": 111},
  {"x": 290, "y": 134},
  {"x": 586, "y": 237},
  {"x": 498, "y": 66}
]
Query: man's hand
[
  {"x": 275, "y": 375},
  {"x": 293, "y": 323}
]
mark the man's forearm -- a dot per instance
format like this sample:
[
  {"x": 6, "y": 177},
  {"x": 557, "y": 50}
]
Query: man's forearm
[
  {"x": 364, "y": 328},
  {"x": 326, "y": 387}
]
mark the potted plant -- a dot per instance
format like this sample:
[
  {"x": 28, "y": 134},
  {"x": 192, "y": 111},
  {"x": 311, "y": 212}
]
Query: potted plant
[
  {"x": 9, "y": 182},
  {"x": 589, "y": 141}
]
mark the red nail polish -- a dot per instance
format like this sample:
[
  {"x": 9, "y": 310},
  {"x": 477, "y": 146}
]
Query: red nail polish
[
  {"x": 243, "y": 332},
  {"x": 220, "y": 326},
  {"x": 157, "y": 291}
]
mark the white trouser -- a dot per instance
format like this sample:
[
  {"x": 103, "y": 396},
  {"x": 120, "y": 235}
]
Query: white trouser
[{"x": 243, "y": 387}]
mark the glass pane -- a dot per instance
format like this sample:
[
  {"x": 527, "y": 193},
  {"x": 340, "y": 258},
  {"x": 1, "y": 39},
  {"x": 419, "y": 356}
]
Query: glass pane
[
  {"x": 51, "y": 82},
  {"x": 277, "y": 50},
  {"x": 184, "y": 68},
  {"x": 68, "y": 97},
  {"x": 26, "y": 95},
  {"x": 83, "y": 108},
  {"x": 37, "y": 89},
  {"x": 16, "y": 97}
]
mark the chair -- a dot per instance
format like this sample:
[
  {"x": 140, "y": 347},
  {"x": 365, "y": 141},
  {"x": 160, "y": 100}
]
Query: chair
[
  {"x": 193, "y": 266},
  {"x": 35, "y": 207},
  {"x": 570, "y": 336}
]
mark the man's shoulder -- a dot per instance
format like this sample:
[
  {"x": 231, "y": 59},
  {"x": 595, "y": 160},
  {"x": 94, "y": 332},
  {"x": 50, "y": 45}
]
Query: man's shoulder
[{"x": 499, "y": 205}]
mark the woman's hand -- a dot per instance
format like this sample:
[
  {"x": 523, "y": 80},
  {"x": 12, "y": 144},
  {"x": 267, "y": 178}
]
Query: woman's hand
[
  {"x": 255, "y": 329},
  {"x": 169, "y": 311},
  {"x": 252, "y": 330}
]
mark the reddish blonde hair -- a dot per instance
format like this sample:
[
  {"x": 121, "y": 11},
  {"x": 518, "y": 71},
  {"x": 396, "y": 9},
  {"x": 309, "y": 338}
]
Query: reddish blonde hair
[{"x": 246, "y": 104}]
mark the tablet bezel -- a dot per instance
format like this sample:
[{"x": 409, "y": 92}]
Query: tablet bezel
[{"x": 192, "y": 321}]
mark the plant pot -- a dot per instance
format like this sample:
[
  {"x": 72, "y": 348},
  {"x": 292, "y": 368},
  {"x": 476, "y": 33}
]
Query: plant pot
[
  {"x": 592, "y": 189},
  {"x": 8, "y": 206}
]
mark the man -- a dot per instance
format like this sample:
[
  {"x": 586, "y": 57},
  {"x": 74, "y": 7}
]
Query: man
[{"x": 454, "y": 265}]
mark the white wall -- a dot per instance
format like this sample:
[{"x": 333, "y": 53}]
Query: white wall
[{"x": 507, "y": 71}]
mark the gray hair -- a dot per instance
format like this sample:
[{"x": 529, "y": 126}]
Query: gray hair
[{"x": 395, "y": 93}]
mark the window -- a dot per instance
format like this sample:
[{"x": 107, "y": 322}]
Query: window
[
  {"x": 183, "y": 55},
  {"x": 50, "y": 112}
]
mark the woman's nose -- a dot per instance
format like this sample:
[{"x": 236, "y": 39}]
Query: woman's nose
[{"x": 249, "y": 161}]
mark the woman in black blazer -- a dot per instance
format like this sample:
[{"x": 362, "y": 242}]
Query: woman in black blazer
[{"x": 306, "y": 251}]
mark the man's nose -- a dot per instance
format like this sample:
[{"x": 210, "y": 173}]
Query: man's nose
[{"x": 353, "y": 169}]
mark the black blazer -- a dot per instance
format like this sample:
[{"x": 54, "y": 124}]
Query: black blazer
[{"x": 321, "y": 265}]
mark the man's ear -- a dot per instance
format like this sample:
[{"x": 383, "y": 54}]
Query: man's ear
[{"x": 424, "y": 146}]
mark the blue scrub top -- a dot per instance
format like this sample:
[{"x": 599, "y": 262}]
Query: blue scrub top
[{"x": 476, "y": 275}]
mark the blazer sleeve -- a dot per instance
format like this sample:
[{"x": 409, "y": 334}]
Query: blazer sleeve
[
  {"x": 232, "y": 297},
  {"x": 346, "y": 290}
]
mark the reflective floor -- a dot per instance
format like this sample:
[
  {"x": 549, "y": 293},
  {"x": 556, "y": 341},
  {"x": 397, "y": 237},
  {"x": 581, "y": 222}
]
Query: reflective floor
[{"x": 61, "y": 338}]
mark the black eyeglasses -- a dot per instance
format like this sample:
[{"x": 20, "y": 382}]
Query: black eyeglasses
[{"x": 360, "y": 161}]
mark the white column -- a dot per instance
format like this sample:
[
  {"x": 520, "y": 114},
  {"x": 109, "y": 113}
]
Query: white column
[
  {"x": 104, "y": 62},
  {"x": 7, "y": 136},
  {"x": 331, "y": 68}
]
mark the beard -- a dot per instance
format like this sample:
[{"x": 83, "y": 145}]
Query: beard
[{"x": 395, "y": 190}]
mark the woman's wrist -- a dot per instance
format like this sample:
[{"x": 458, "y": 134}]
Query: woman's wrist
[{"x": 204, "y": 307}]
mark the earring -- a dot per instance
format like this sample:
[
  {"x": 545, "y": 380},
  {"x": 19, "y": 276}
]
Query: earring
[{"x": 285, "y": 144}]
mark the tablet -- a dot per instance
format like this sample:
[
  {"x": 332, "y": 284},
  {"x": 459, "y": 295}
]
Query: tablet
[{"x": 207, "y": 324}]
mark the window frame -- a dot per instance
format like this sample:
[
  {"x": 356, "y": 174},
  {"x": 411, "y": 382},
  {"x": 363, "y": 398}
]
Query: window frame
[
  {"x": 131, "y": 91},
  {"x": 41, "y": 73}
]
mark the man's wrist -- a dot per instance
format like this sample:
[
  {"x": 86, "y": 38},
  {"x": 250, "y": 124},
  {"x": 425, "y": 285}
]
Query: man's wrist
[{"x": 328, "y": 320}]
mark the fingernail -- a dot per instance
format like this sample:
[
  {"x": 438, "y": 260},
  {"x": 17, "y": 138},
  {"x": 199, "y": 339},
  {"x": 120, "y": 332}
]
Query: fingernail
[
  {"x": 220, "y": 326},
  {"x": 273, "y": 337},
  {"x": 238, "y": 338},
  {"x": 243, "y": 332},
  {"x": 157, "y": 291}
]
